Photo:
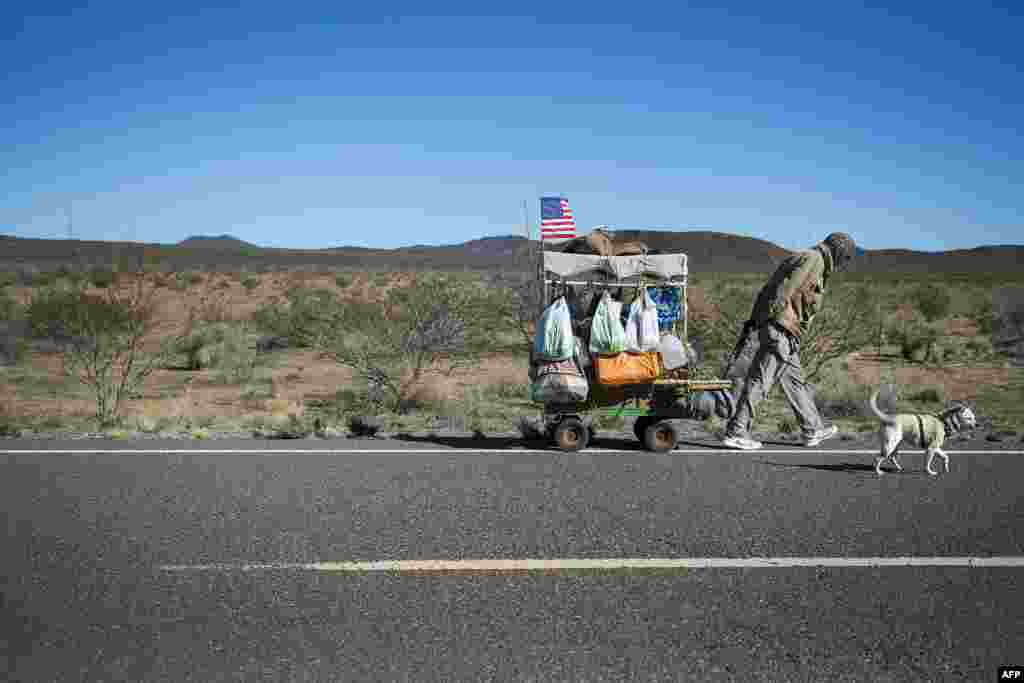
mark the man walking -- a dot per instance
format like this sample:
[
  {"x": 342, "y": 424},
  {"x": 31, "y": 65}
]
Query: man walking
[{"x": 783, "y": 310}]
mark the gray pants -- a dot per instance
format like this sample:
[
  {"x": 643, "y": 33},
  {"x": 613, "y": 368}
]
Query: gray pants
[{"x": 777, "y": 358}]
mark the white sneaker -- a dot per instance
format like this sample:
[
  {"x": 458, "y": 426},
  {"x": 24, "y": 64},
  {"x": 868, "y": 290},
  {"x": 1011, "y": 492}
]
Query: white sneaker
[
  {"x": 741, "y": 443},
  {"x": 820, "y": 435}
]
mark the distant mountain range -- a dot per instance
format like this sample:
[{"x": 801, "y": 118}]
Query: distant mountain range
[{"x": 709, "y": 252}]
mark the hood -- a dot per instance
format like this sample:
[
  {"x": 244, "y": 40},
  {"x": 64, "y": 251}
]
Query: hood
[{"x": 826, "y": 254}]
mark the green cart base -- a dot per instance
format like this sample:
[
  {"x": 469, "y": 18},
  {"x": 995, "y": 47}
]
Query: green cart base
[{"x": 656, "y": 407}]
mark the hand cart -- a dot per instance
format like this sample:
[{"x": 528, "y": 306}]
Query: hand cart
[{"x": 657, "y": 405}]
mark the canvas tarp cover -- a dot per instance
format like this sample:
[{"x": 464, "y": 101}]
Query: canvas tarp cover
[{"x": 584, "y": 266}]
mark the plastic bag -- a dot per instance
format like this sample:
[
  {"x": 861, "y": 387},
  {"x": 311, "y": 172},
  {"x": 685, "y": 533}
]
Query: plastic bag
[
  {"x": 606, "y": 334},
  {"x": 670, "y": 305},
  {"x": 673, "y": 353},
  {"x": 556, "y": 387},
  {"x": 642, "y": 325},
  {"x": 554, "y": 340}
]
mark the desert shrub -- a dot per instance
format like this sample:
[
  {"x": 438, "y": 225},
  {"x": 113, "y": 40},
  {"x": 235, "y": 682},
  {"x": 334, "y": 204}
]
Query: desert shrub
[
  {"x": 343, "y": 281},
  {"x": 507, "y": 391},
  {"x": 311, "y": 314},
  {"x": 50, "y": 308},
  {"x": 918, "y": 342},
  {"x": 234, "y": 369},
  {"x": 912, "y": 347},
  {"x": 220, "y": 346},
  {"x": 250, "y": 283},
  {"x": 719, "y": 330},
  {"x": 350, "y": 400},
  {"x": 101, "y": 278},
  {"x": 932, "y": 300},
  {"x": 981, "y": 314},
  {"x": 44, "y": 278},
  {"x": 978, "y": 347},
  {"x": 430, "y": 327},
  {"x": 8, "y": 279},
  {"x": 928, "y": 394},
  {"x": 9, "y": 424},
  {"x": 257, "y": 392},
  {"x": 198, "y": 347},
  {"x": 833, "y": 408},
  {"x": 345, "y": 402},
  {"x": 9, "y": 307},
  {"x": 146, "y": 424},
  {"x": 104, "y": 340},
  {"x": 896, "y": 332},
  {"x": 183, "y": 281}
]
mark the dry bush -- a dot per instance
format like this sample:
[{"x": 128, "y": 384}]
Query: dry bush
[
  {"x": 103, "y": 340},
  {"x": 430, "y": 328}
]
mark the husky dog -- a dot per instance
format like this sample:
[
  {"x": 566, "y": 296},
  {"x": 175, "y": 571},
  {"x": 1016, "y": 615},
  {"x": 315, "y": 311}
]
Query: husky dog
[{"x": 923, "y": 431}]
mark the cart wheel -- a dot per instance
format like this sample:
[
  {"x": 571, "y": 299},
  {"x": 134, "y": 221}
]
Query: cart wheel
[
  {"x": 571, "y": 435},
  {"x": 641, "y": 425},
  {"x": 661, "y": 437}
]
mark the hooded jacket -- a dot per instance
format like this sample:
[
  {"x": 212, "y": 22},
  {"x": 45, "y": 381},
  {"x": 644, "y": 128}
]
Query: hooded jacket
[{"x": 793, "y": 294}]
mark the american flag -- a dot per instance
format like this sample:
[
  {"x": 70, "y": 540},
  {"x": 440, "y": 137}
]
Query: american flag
[{"x": 556, "y": 221}]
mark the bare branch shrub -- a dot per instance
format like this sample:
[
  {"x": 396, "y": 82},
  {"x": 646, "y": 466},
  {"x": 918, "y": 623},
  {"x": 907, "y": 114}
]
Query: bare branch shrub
[
  {"x": 101, "y": 339},
  {"x": 432, "y": 326}
]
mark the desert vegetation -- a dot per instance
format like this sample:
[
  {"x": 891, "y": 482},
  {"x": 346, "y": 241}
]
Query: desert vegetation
[{"x": 293, "y": 353}]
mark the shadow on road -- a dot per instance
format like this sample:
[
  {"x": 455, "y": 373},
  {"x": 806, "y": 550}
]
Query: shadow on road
[
  {"x": 490, "y": 442},
  {"x": 711, "y": 444},
  {"x": 470, "y": 442},
  {"x": 841, "y": 467}
]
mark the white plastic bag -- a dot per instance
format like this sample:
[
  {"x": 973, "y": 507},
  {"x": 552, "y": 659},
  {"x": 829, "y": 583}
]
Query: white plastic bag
[
  {"x": 554, "y": 339},
  {"x": 607, "y": 338},
  {"x": 642, "y": 325}
]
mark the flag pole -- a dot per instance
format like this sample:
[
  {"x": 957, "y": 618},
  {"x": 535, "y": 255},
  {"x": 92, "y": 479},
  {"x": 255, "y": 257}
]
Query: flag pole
[
  {"x": 540, "y": 269},
  {"x": 526, "y": 223}
]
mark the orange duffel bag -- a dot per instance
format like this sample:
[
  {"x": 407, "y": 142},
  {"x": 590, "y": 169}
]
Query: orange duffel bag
[{"x": 627, "y": 368}]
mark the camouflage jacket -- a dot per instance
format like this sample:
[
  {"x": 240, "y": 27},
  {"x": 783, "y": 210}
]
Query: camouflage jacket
[{"x": 793, "y": 294}]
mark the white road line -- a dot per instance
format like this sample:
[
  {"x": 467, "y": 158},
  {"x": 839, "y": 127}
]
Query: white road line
[
  {"x": 710, "y": 450},
  {"x": 555, "y": 565}
]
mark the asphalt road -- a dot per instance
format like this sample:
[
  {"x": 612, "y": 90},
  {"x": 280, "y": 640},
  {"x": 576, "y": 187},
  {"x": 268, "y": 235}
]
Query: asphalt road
[{"x": 86, "y": 595}]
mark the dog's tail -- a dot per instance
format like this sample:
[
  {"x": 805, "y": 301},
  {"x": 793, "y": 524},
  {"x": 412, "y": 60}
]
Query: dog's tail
[{"x": 887, "y": 419}]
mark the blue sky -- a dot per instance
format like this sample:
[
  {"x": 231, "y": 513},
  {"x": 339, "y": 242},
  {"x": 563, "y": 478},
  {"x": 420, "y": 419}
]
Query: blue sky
[{"x": 313, "y": 125}]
